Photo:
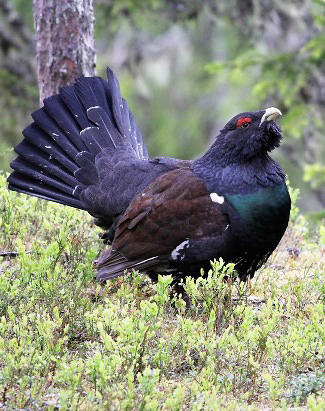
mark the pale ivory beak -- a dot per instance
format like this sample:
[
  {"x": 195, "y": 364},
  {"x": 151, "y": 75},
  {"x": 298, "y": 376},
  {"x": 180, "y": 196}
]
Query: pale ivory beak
[{"x": 270, "y": 114}]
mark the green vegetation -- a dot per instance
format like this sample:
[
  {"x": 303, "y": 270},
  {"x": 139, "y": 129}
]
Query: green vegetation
[{"x": 129, "y": 345}]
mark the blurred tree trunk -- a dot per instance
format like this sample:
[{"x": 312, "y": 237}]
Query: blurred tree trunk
[{"x": 64, "y": 33}]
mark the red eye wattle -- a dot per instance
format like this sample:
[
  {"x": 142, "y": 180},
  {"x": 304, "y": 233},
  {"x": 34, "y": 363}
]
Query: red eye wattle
[{"x": 243, "y": 120}]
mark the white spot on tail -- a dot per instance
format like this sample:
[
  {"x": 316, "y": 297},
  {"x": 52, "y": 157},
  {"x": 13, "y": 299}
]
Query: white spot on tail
[
  {"x": 176, "y": 252},
  {"x": 216, "y": 198}
]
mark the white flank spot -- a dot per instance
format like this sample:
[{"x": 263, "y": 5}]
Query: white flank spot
[
  {"x": 176, "y": 251},
  {"x": 227, "y": 226},
  {"x": 216, "y": 198},
  {"x": 48, "y": 146},
  {"x": 55, "y": 135}
]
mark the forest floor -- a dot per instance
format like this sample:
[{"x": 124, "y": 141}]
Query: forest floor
[{"x": 67, "y": 343}]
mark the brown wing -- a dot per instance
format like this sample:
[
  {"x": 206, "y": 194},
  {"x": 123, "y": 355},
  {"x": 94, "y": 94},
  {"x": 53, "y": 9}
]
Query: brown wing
[{"x": 175, "y": 207}]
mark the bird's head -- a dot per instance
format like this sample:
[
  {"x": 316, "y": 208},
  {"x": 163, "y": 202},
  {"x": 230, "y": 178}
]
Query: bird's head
[{"x": 248, "y": 135}]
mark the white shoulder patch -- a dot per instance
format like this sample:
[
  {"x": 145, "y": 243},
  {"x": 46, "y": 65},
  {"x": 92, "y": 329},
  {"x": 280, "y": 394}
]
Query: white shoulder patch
[
  {"x": 176, "y": 252},
  {"x": 216, "y": 198}
]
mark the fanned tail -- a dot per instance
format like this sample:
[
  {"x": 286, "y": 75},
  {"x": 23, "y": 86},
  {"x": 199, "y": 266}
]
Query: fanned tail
[{"x": 56, "y": 159}]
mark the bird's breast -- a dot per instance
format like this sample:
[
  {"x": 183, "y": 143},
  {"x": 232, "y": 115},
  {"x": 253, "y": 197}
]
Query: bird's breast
[{"x": 266, "y": 211}]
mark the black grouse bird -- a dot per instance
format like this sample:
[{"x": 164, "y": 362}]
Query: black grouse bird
[{"x": 162, "y": 215}]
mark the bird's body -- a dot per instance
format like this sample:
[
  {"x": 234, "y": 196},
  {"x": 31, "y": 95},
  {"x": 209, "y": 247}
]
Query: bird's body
[{"x": 162, "y": 215}]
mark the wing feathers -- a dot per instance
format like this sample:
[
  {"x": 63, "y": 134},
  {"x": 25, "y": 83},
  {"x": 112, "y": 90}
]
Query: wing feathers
[{"x": 161, "y": 219}]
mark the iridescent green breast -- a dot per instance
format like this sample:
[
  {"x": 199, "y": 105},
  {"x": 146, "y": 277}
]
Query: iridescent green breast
[{"x": 267, "y": 209}]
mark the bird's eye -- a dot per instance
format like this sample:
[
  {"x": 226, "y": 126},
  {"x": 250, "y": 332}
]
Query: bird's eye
[{"x": 243, "y": 122}]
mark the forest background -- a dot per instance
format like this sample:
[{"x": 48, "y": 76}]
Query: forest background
[{"x": 186, "y": 67}]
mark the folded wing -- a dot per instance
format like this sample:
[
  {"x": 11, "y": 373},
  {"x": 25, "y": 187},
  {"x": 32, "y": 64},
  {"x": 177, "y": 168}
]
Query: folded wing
[{"x": 160, "y": 219}]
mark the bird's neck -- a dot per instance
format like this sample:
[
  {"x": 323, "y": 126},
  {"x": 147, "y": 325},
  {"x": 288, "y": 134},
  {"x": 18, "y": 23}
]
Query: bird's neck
[
  {"x": 255, "y": 189},
  {"x": 238, "y": 178}
]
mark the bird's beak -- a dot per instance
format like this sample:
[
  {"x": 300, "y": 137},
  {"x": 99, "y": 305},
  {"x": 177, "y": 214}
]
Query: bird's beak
[{"x": 270, "y": 114}]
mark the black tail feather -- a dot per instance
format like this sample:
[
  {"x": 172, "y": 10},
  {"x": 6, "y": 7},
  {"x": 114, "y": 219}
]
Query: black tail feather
[
  {"x": 91, "y": 92},
  {"x": 27, "y": 185},
  {"x": 92, "y": 136},
  {"x": 69, "y": 96},
  {"x": 136, "y": 140},
  {"x": 106, "y": 126},
  {"x": 38, "y": 174},
  {"x": 119, "y": 107}
]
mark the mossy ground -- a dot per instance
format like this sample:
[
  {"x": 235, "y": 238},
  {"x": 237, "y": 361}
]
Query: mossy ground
[{"x": 68, "y": 343}]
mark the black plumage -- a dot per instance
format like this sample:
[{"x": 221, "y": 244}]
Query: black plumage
[{"x": 161, "y": 215}]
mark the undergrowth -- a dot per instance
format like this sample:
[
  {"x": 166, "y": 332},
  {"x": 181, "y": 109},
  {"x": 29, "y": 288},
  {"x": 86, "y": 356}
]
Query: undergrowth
[{"x": 68, "y": 343}]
